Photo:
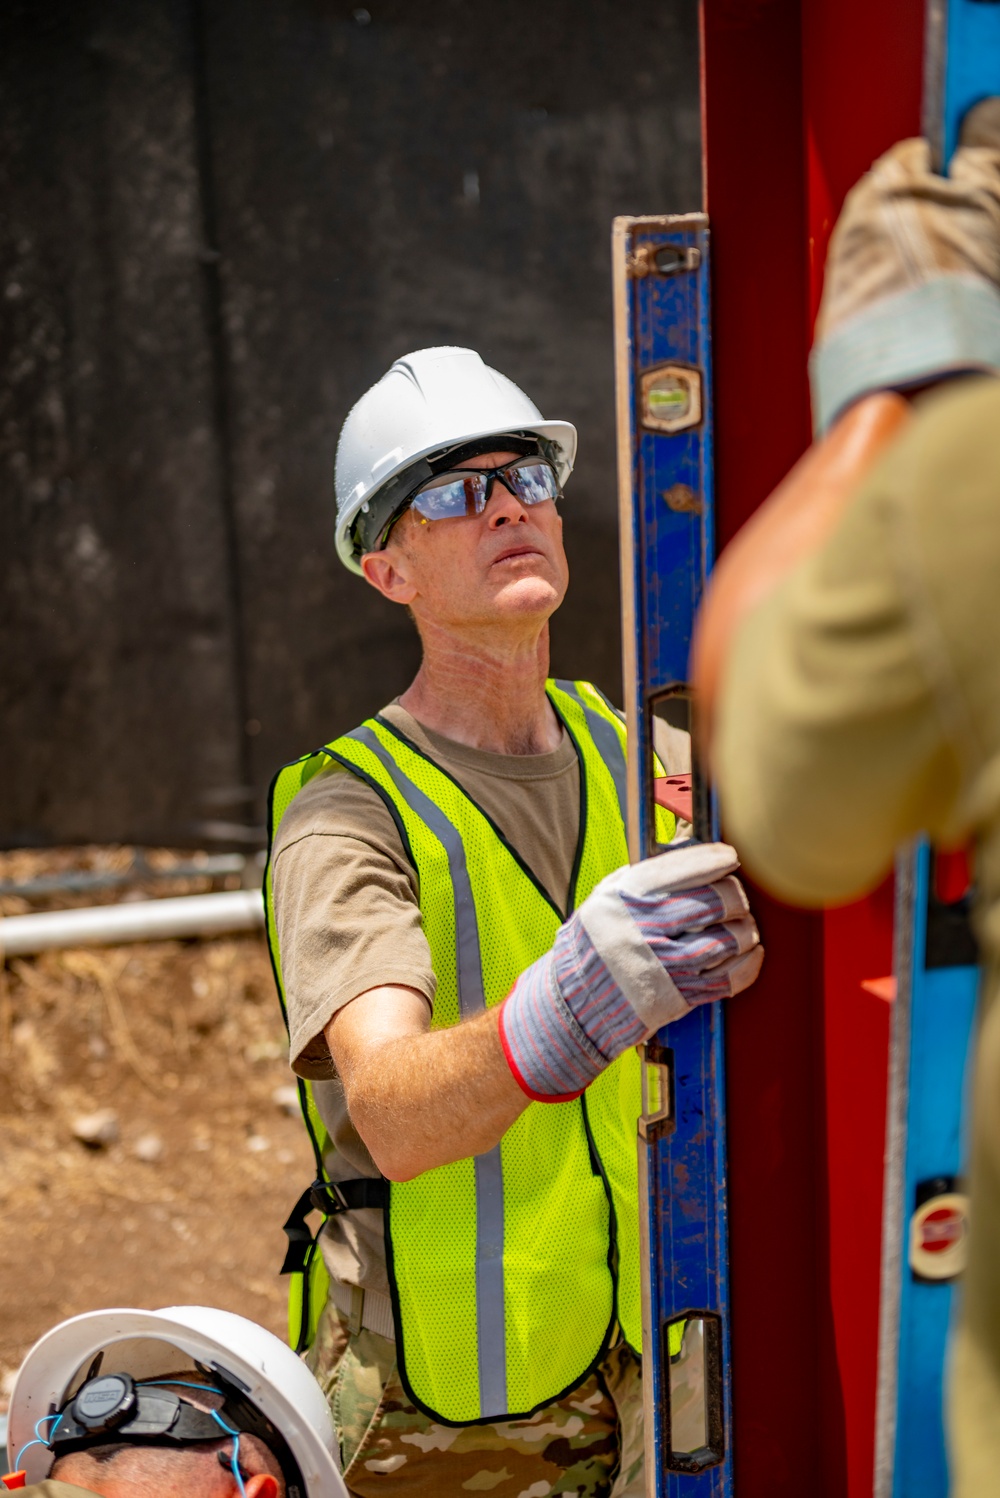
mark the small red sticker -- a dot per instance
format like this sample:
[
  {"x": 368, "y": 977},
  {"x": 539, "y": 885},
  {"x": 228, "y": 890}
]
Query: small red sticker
[{"x": 939, "y": 1231}]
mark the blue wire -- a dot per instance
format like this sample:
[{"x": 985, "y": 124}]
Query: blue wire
[
  {"x": 46, "y": 1441},
  {"x": 234, "y": 1460},
  {"x": 176, "y": 1383},
  {"x": 39, "y": 1440},
  {"x": 169, "y": 1383}
]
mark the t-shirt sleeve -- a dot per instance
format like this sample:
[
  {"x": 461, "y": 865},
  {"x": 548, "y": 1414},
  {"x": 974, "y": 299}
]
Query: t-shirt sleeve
[
  {"x": 672, "y": 746},
  {"x": 346, "y": 908},
  {"x": 832, "y": 747}
]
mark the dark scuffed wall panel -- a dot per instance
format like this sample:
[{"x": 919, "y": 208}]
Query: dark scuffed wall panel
[
  {"x": 223, "y": 220},
  {"x": 410, "y": 174},
  {"x": 118, "y": 687}
]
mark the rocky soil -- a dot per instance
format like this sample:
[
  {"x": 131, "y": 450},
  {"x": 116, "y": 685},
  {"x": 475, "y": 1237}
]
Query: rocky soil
[{"x": 179, "y": 1050}]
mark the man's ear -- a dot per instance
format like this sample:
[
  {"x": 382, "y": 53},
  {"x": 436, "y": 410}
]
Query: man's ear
[
  {"x": 387, "y": 573},
  {"x": 262, "y": 1486}
]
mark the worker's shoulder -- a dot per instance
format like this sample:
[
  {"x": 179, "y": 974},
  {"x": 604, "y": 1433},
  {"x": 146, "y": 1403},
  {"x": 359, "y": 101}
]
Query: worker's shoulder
[
  {"x": 336, "y": 802},
  {"x": 952, "y": 446},
  {"x": 955, "y": 402},
  {"x": 933, "y": 501}
]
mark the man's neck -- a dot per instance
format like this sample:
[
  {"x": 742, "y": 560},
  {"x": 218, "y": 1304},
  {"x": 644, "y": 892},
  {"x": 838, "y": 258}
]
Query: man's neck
[{"x": 486, "y": 691}]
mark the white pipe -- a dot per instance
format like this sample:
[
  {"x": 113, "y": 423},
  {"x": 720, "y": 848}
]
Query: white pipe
[{"x": 142, "y": 920}]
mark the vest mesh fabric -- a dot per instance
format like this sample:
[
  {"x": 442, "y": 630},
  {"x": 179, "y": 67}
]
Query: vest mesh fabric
[{"x": 613, "y": 1102}]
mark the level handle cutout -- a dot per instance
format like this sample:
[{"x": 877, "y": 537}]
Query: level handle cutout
[
  {"x": 694, "y": 1436},
  {"x": 677, "y": 798}
]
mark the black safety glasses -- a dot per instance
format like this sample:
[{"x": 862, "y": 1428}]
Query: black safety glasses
[{"x": 466, "y": 491}]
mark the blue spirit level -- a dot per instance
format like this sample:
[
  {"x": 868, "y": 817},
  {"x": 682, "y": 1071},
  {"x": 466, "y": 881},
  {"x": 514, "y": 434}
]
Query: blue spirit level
[
  {"x": 937, "y": 980},
  {"x": 664, "y": 418},
  {"x": 925, "y": 1216}
]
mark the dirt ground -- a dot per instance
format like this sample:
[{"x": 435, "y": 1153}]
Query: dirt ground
[{"x": 184, "y": 1041}]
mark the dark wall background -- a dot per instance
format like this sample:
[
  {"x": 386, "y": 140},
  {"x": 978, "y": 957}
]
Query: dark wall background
[{"x": 222, "y": 220}]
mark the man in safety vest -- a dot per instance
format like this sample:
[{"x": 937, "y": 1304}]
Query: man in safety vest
[{"x": 467, "y": 964}]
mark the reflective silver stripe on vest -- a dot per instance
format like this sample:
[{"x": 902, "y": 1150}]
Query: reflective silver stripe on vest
[
  {"x": 471, "y": 999},
  {"x": 606, "y": 742},
  {"x": 490, "y": 1317},
  {"x": 490, "y": 1313}
]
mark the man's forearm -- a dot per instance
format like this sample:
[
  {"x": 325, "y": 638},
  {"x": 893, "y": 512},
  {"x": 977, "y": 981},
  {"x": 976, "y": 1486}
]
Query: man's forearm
[
  {"x": 424, "y": 1097},
  {"x": 678, "y": 925}
]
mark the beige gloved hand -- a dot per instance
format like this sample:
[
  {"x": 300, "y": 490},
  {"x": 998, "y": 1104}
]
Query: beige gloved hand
[{"x": 912, "y": 284}]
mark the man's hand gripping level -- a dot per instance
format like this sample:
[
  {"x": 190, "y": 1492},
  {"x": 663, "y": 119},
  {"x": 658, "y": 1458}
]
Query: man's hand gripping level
[{"x": 648, "y": 945}]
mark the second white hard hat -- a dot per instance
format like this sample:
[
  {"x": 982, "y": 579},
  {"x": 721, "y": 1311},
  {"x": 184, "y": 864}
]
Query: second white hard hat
[
  {"x": 148, "y": 1344},
  {"x": 430, "y": 401}
]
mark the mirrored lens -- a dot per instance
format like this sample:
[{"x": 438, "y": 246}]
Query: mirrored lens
[
  {"x": 450, "y": 495},
  {"x": 533, "y": 482}
]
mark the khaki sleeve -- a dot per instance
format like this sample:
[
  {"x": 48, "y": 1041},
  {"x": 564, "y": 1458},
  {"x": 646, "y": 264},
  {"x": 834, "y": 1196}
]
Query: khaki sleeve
[
  {"x": 831, "y": 746},
  {"x": 672, "y": 746},
  {"x": 346, "y": 907},
  {"x": 673, "y": 749}
]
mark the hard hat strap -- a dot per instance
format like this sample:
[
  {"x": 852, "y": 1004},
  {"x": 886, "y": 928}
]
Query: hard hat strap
[{"x": 150, "y": 1413}]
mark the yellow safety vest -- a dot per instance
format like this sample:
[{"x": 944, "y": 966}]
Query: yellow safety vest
[{"x": 510, "y": 1270}]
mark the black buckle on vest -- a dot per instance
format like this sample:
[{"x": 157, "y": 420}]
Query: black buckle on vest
[
  {"x": 334, "y": 1197},
  {"x": 331, "y": 1198},
  {"x": 328, "y": 1198}
]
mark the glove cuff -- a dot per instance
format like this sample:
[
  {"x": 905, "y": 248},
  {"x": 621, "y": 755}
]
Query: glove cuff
[
  {"x": 551, "y": 1058},
  {"x": 513, "y": 1054},
  {"x": 948, "y": 325}
]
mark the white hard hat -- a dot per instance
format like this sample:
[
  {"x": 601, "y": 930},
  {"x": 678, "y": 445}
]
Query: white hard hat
[
  {"x": 430, "y": 401},
  {"x": 149, "y": 1344}
]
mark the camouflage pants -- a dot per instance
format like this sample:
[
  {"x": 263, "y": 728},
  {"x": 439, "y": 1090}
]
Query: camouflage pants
[{"x": 588, "y": 1443}]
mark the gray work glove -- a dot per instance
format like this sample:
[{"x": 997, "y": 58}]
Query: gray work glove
[
  {"x": 650, "y": 943},
  {"x": 912, "y": 285}
]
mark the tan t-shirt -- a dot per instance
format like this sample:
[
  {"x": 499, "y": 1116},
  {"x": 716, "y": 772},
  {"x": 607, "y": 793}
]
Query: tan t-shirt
[{"x": 347, "y": 904}]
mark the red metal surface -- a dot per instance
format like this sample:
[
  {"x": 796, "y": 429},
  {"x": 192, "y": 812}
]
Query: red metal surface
[
  {"x": 862, "y": 84},
  {"x": 952, "y": 875},
  {"x": 799, "y": 96},
  {"x": 675, "y": 793},
  {"x": 754, "y": 176}
]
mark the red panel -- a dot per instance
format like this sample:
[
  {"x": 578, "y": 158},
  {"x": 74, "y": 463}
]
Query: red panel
[
  {"x": 862, "y": 68},
  {"x": 952, "y": 874},
  {"x": 862, "y": 72},
  {"x": 799, "y": 96},
  {"x": 755, "y": 196}
]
